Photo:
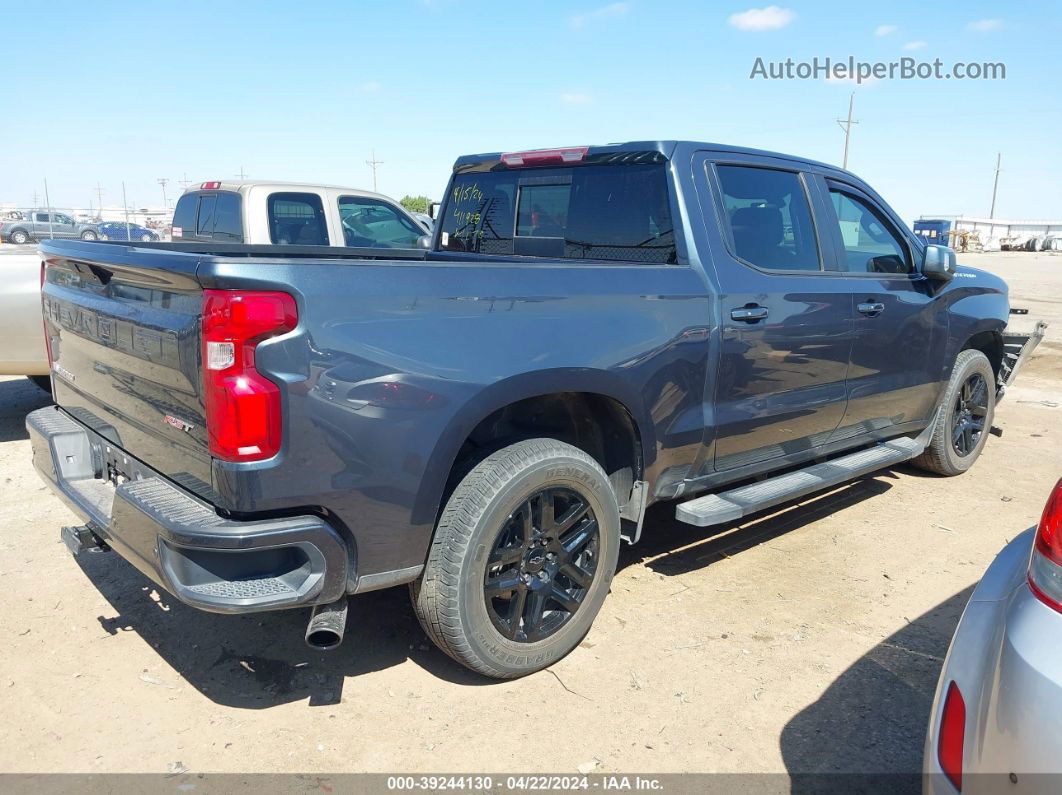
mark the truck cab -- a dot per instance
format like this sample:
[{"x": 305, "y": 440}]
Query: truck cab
[{"x": 292, "y": 214}]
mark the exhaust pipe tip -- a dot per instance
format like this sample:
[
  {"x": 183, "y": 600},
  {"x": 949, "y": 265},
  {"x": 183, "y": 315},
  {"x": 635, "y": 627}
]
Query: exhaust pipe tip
[{"x": 326, "y": 626}]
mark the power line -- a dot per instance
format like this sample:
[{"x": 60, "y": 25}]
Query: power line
[
  {"x": 846, "y": 125},
  {"x": 373, "y": 164}
]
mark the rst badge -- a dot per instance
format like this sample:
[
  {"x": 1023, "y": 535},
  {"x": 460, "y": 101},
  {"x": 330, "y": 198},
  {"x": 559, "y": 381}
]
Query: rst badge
[{"x": 178, "y": 423}]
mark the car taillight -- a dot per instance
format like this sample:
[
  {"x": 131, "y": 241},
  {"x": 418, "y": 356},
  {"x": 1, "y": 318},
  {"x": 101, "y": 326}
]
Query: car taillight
[
  {"x": 1045, "y": 565},
  {"x": 545, "y": 157},
  {"x": 951, "y": 735},
  {"x": 243, "y": 410}
]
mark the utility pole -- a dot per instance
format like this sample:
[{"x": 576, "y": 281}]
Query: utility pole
[
  {"x": 36, "y": 198},
  {"x": 162, "y": 181},
  {"x": 373, "y": 164},
  {"x": 995, "y": 186},
  {"x": 99, "y": 199},
  {"x": 846, "y": 125},
  {"x": 49, "y": 203},
  {"x": 241, "y": 175},
  {"x": 184, "y": 183}
]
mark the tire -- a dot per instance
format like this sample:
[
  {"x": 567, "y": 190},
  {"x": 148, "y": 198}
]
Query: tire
[
  {"x": 146, "y": 238},
  {"x": 42, "y": 381},
  {"x": 485, "y": 518},
  {"x": 89, "y": 235},
  {"x": 969, "y": 403},
  {"x": 19, "y": 237}
]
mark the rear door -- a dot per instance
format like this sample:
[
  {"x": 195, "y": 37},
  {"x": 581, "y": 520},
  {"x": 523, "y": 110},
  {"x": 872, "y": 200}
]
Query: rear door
[
  {"x": 786, "y": 321},
  {"x": 897, "y": 356}
]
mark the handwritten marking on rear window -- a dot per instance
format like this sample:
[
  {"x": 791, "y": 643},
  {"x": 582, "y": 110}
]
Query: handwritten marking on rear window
[{"x": 467, "y": 193}]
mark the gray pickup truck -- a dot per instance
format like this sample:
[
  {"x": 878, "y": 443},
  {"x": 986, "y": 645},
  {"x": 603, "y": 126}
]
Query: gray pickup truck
[
  {"x": 44, "y": 225},
  {"x": 594, "y": 329}
]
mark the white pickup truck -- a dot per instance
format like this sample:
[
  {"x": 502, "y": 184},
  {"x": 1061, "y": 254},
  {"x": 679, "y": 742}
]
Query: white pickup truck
[{"x": 292, "y": 213}]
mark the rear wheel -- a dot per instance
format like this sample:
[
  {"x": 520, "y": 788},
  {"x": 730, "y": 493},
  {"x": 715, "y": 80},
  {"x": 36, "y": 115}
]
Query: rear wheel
[
  {"x": 88, "y": 234},
  {"x": 964, "y": 418},
  {"x": 147, "y": 237},
  {"x": 522, "y": 559}
]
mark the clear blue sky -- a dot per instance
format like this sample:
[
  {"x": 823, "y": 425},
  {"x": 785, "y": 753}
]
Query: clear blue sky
[{"x": 107, "y": 92}]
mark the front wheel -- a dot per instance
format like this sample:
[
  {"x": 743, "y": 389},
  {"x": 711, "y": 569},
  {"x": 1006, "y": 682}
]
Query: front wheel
[
  {"x": 19, "y": 237},
  {"x": 522, "y": 559},
  {"x": 964, "y": 418}
]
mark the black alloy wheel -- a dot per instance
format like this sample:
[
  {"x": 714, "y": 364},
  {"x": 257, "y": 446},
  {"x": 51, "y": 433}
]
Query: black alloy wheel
[
  {"x": 542, "y": 564},
  {"x": 968, "y": 415}
]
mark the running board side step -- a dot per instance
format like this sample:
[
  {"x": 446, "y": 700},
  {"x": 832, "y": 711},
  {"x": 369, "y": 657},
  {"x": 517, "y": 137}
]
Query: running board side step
[{"x": 713, "y": 509}]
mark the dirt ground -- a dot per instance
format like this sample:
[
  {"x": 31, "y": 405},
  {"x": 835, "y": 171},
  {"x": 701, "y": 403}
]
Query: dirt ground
[{"x": 805, "y": 641}]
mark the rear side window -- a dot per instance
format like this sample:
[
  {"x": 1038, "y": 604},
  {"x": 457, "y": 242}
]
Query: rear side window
[
  {"x": 297, "y": 219},
  {"x": 371, "y": 222},
  {"x": 769, "y": 218},
  {"x": 595, "y": 212}
]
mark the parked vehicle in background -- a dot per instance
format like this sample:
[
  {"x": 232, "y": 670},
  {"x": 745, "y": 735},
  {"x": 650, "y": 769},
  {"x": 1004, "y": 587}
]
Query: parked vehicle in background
[
  {"x": 44, "y": 224},
  {"x": 120, "y": 230},
  {"x": 593, "y": 330},
  {"x": 426, "y": 220},
  {"x": 22, "y": 350},
  {"x": 292, "y": 214},
  {"x": 998, "y": 707}
]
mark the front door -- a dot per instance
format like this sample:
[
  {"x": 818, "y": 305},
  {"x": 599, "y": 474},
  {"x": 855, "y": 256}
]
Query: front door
[
  {"x": 786, "y": 322},
  {"x": 897, "y": 356}
]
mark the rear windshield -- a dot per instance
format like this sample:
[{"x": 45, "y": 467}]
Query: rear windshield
[
  {"x": 208, "y": 216},
  {"x": 590, "y": 212}
]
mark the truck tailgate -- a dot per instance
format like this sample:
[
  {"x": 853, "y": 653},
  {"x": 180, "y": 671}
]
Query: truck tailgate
[{"x": 123, "y": 325}]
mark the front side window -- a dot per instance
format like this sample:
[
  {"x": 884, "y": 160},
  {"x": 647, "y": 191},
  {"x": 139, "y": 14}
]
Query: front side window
[
  {"x": 870, "y": 246},
  {"x": 373, "y": 223},
  {"x": 769, "y": 218},
  {"x": 593, "y": 212},
  {"x": 297, "y": 219}
]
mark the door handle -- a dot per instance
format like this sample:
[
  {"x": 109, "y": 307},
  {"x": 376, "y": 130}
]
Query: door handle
[
  {"x": 749, "y": 314},
  {"x": 871, "y": 307}
]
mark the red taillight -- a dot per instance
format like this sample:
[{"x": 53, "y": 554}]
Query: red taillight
[
  {"x": 242, "y": 406},
  {"x": 210, "y": 186},
  {"x": 951, "y": 735},
  {"x": 1045, "y": 565},
  {"x": 545, "y": 157}
]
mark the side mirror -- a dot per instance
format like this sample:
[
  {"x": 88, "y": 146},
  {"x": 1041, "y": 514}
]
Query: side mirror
[
  {"x": 424, "y": 241},
  {"x": 938, "y": 263}
]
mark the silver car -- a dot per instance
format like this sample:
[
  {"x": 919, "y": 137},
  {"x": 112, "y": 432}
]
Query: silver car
[{"x": 998, "y": 708}]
